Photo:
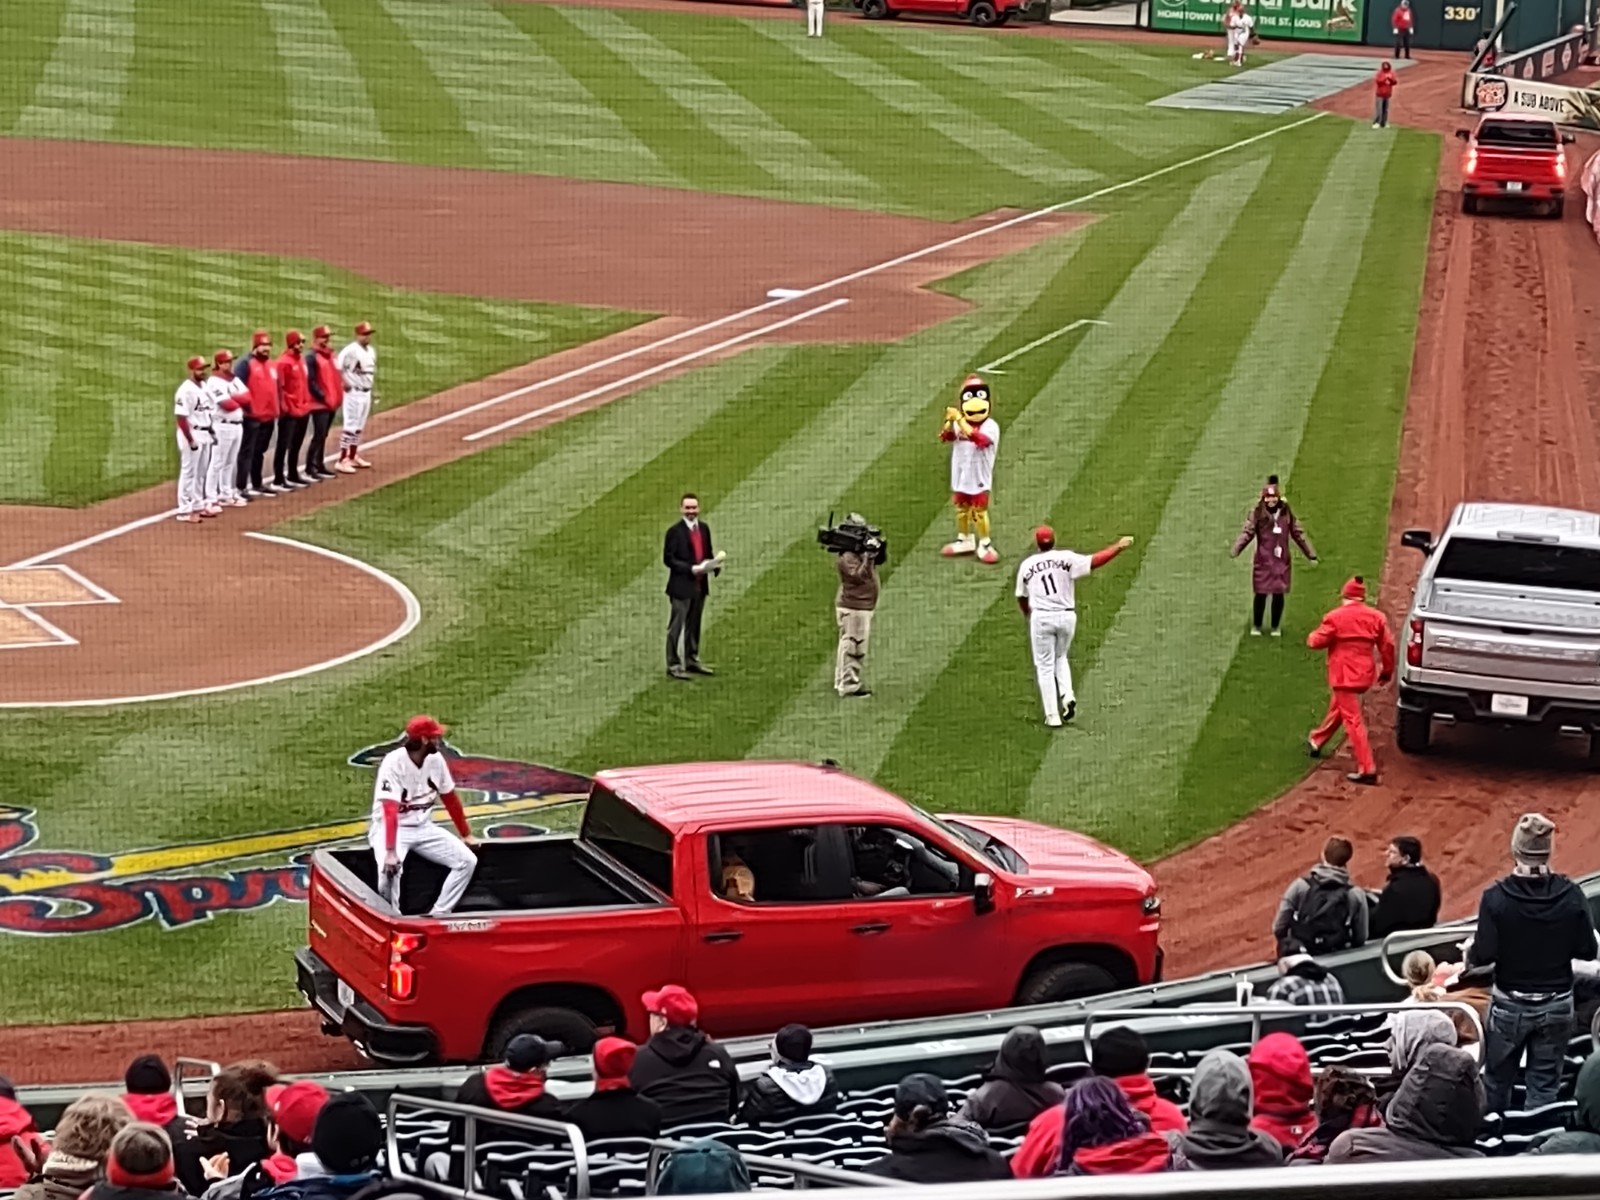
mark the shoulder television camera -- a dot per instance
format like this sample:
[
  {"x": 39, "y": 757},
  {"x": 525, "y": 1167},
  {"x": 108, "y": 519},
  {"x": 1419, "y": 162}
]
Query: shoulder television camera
[{"x": 855, "y": 535}]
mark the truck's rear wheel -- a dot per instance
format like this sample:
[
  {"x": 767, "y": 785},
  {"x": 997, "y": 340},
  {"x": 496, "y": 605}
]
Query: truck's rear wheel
[
  {"x": 1469, "y": 203},
  {"x": 1558, "y": 207},
  {"x": 1064, "y": 981},
  {"x": 571, "y": 1028},
  {"x": 1413, "y": 730},
  {"x": 875, "y": 10}
]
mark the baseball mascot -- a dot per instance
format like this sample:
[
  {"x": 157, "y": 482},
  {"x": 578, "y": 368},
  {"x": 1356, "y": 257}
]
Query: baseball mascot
[{"x": 975, "y": 437}]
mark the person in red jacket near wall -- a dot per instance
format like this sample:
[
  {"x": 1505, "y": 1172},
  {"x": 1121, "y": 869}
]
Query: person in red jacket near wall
[
  {"x": 1352, "y": 634},
  {"x": 1402, "y": 21},
  {"x": 296, "y": 413}
]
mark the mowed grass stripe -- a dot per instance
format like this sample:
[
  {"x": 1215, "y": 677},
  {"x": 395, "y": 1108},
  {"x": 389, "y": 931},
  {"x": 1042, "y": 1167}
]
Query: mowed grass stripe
[
  {"x": 687, "y": 140},
  {"x": 1120, "y": 480},
  {"x": 1342, "y": 481},
  {"x": 797, "y": 166},
  {"x": 1142, "y": 725},
  {"x": 419, "y": 118},
  {"x": 29, "y": 35},
  {"x": 332, "y": 113},
  {"x": 526, "y": 110},
  {"x": 86, "y": 78},
  {"x": 1159, "y": 252},
  {"x": 1003, "y": 150},
  {"x": 618, "y": 646}
]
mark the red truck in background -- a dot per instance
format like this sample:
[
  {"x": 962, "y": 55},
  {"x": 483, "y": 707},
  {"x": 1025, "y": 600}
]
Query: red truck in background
[
  {"x": 1511, "y": 156},
  {"x": 864, "y": 908}
]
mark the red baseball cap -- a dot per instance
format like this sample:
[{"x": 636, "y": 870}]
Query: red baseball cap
[
  {"x": 1044, "y": 534},
  {"x": 294, "y": 338},
  {"x": 424, "y": 727},
  {"x": 321, "y": 331},
  {"x": 364, "y": 327},
  {"x": 261, "y": 338},
  {"x": 294, "y": 1107},
  {"x": 196, "y": 363},
  {"x": 674, "y": 1003},
  {"x": 223, "y": 356}
]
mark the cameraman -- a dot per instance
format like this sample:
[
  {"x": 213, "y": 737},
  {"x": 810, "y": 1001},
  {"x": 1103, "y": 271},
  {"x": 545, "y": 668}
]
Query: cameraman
[{"x": 858, "y": 596}]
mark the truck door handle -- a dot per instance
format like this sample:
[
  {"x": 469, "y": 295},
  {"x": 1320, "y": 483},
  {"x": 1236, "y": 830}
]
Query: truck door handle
[
  {"x": 871, "y": 927},
  {"x": 727, "y": 935}
]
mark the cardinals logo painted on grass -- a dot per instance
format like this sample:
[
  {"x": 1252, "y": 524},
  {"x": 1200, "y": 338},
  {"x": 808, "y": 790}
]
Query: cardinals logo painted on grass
[{"x": 46, "y": 893}]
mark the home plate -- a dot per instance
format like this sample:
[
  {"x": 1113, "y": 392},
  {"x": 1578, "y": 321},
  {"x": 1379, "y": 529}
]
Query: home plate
[{"x": 783, "y": 293}]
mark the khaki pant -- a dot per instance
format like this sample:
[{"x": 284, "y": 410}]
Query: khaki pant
[{"x": 855, "y": 627}]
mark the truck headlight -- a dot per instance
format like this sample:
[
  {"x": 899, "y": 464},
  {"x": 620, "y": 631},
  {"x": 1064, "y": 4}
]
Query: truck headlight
[{"x": 1151, "y": 905}]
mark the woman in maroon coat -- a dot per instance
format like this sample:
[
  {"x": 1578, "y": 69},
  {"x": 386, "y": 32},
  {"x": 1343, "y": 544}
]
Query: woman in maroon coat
[{"x": 1271, "y": 524}]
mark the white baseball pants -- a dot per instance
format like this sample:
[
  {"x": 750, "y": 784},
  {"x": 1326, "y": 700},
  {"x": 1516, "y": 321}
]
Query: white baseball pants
[
  {"x": 192, "y": 467},
  {"x": 432, "y": 842},
  {"x": 357, "y": 408},
  {"x": 224, "y": 462},
  {"x": 814, "y": 11},
  {"x": 1051, "y": 634}
]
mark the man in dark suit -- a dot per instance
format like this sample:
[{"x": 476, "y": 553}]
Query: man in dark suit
[{"x": 690, "y": 563}]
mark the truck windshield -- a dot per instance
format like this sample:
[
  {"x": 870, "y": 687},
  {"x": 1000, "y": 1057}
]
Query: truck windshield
[
  {"x": 963, "y": 833},
  {"x": 1520, "y": 564},
  {"x": 628, "y": 836},
  {"x": 1529, "y": 135}
]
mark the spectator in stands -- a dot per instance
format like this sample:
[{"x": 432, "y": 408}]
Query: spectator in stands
[
  {"x": 1119, "y": 1054},
  {"x": 1322, "y": 912},
  {"x": 1531, "y": 925},
  {"x": 1302, "y": 980},
  {"x": 1344, "y": 1100},
  {"x": 140, "y": 1166},
  {"x": 1220, "y": 1137},
  {"x": 513, "y": 1086},
  {"x": 1435, "y": 1114},
  {"x": 1411, "y": 897},
  {"x": 78, "y": 1151},
  {"x": 1104, "y": 1135},
  {"x": 1583, "y": 1137},
  {"x": 1409, "y": 1034},
  {"x": 1015, "y": 1090},
  {"x": 793, "y": 1086},
  {"x": 16, "y": 1123},
  {"x": 345, "y": 1145},
  {"x": 688, "y": 1075},
  {"x": 235, "y": 1125},
  {"x": 704, "y": 1168},
  {"x": 291, "y": 1116},
  {"x": 1281, "y": 1074},
  {"x": 149, "y": 1096},
  {"x": 614, "y": 1109},
  {"x": 927, "y": 1146},
  {"x": 1417, "y": 969}
]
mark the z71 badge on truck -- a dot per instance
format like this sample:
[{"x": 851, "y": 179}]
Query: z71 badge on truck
[{"x": 776, "y": 892}]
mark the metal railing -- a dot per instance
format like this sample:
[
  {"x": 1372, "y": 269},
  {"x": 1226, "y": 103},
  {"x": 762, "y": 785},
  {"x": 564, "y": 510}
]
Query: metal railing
[
  {"x": 1419, "y": 937},
  {"x": 471, "y": 1117},
  {"x": 803, "y": 1173},
  {"x": 186, "y": 1069},
  {"x": 1257, "y": 1013}
]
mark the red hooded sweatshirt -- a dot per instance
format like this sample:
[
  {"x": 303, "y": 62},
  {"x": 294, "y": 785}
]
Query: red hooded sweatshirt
[
  {"x": 15, "y": 1121},
  {"x": 1040, "y": 1152},
  {"x": 509, "y": 1089},
  {"x": 1383, "y": 83},
  {"x": 1142, "y": 1155},
  {"x": 153, "y": 1108},
  {"x": 1280, "y": 1075}
]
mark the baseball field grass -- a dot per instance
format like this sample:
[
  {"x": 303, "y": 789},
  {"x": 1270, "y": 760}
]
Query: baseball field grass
[{"x": 1259, "y": 313}]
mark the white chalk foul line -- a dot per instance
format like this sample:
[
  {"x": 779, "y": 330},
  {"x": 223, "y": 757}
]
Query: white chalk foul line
[
  {"x": 789, "y": 297},
  {"x": 771, "y": 327},
  {"x": 1039, "y": 341},
  {"x": 413, "y": 616}
]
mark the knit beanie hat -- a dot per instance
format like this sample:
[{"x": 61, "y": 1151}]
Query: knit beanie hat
[
  {"x": 1531, "y": 840},
  {"x": 793, "y": 1044},
  {"x": 147, "y": 1075},
  {"x": 89, "y": 1125},
  {"x": 348, "y": 1135},
  {"x": 1354, "y": 589},
  {"x": 141, "y": 1157},
  {"x": 613, "y": 1059},
  {"x": 1120, "y": 1052}
]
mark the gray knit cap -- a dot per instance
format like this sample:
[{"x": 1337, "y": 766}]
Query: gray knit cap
[{"x": 1531, "y": 840}]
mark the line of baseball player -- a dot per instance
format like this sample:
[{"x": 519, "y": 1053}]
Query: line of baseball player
[{"x": 228, "y": 409}]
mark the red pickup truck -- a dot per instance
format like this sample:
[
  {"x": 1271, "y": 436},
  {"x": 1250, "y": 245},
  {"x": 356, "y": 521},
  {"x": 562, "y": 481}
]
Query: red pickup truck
[
  {"x": 863, "y": 908},
  {"x": 1511, "y": 156}
]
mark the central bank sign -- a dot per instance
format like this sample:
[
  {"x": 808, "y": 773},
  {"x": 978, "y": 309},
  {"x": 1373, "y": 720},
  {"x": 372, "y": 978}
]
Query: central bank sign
[{"x": 1304, "y": 20}]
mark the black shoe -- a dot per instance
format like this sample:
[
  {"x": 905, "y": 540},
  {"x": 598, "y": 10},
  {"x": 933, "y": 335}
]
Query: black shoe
[
  {"x": 1363, "y": 778},
  {"x": 298, "y": 482},
  {"x": 1072, "y": 710},
  {"x": 266, "y": 491},
  {"x": 677, "y": 673},
  {"x": 1312, "y": 749},
  {"x": 696, "y": 669},
  {"x": 857, "y": 692}
]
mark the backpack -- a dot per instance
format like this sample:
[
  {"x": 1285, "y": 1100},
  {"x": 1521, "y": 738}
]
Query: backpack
[{"x": 1322, "y": 919}]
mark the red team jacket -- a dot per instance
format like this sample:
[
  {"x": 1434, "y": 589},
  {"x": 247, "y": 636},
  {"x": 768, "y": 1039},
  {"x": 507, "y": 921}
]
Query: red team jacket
[
  {"x": 324, "y": 379},
  {"x": 1401, "y": 19},
  {"x": 1383, "y": 82},
  {"x": 1350, "y": 634},
  {"x": 292, "y": 377},
  {"x": 262, "y": 381}
]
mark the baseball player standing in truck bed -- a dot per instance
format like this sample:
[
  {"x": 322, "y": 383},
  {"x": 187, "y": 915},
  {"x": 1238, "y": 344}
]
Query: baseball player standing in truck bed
[{"x": 413, "y": 779}]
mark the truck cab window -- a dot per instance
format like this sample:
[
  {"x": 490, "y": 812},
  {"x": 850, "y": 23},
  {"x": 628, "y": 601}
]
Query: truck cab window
[
  {"x": 799, "y": 865},
  {"x": 628, "y": 836},
  {"x": 890, "y": 862}
]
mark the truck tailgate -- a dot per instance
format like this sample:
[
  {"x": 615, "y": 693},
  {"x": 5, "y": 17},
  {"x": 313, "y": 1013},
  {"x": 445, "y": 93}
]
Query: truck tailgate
[
  {"x": 350, "y": 938},
  {"x": 1534, "y": 657}
]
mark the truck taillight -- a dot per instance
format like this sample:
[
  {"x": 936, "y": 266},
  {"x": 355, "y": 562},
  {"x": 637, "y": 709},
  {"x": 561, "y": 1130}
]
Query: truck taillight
[
  {"x": 1414, "y": 645},
  {"x": 1471, "y": 165},
  {"x": 1561, "y": 166},
  {"x": 402, "y": 975}
]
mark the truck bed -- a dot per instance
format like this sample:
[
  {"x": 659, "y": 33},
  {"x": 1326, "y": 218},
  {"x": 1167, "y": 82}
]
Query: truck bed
[{"x": 513, "y": 875}]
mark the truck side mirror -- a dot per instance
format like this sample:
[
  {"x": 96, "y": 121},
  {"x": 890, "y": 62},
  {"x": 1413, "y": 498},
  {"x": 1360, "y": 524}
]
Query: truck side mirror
[
  {"x": 1569, "y": 138},
  {"x": 1417, "y": 539},
  {"x": 983, "y": 893}
]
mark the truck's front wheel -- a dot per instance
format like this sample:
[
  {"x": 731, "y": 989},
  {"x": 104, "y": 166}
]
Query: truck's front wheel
[
  {"x": 1064, "y": 981},
  {"x": 571, "y": 1028}
]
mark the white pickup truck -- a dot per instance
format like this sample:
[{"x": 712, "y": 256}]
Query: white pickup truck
[{"x": 1504, "y": 625}]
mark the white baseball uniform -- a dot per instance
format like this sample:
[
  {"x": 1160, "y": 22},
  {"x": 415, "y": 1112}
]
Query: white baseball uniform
[
  {"x": 190, "y": 403},
  {"x": 814, "y": 12},
  {"x": 1047, "y": 579},
  {"x": 358, "y": 365},
  {"x": 229, "y": 430},
  {"x": 1239, "y": 25},
  {"x": 417, "y": 791},
  {"x": 972, "y": 465}
]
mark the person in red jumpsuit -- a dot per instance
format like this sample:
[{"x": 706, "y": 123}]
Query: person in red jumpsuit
[{"x": 1351, "y": 634}]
